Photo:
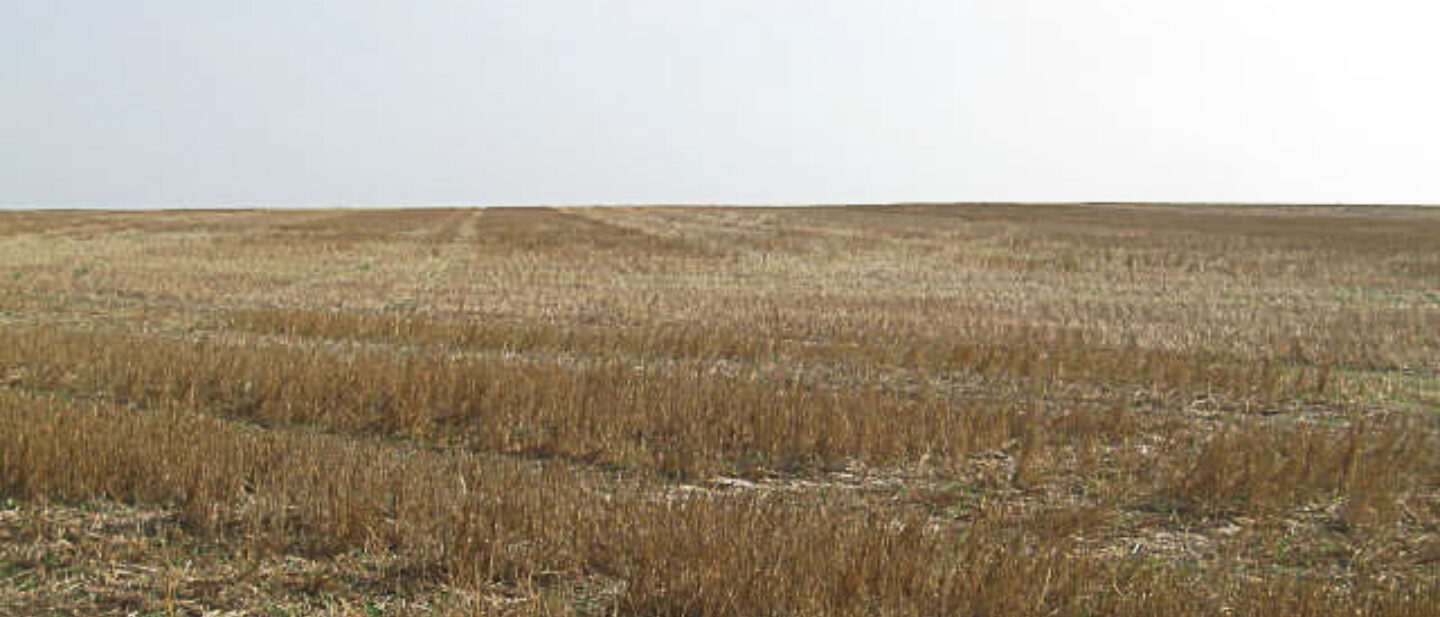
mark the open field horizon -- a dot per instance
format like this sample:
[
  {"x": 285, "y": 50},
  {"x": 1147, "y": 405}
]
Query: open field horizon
[
  {"x": 911, "y": 409},
  {"x": 1374, "y": 208}
]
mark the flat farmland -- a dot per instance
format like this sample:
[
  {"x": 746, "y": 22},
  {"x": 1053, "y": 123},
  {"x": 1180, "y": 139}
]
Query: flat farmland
[{"x": 1030, "y": 410}]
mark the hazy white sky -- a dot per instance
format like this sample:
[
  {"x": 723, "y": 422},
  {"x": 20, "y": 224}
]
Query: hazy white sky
[{"x": 475, "y": 102}]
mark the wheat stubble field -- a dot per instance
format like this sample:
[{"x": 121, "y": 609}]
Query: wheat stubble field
[{"x": 907, "y": 410}]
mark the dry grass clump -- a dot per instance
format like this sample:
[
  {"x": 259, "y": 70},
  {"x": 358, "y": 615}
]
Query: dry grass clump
[
  {"x": 1249, "y": 466},
  {"x": 471, "y": 521},
  {"x": 852, "y": 564},
  {"x": 479, "y": 334},
  {"x": 682, "y": 422},
  {"x": 907, "y": 410},
  {"x": 1024, "y": 354},
  {"x": 314, "y": 494},
  {"x": 479, "y": 521}
]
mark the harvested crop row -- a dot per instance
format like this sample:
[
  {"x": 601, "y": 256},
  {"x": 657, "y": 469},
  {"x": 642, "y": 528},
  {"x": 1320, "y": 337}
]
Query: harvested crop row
[
  {"x": 1024, "y": 355},
  {"x": 474, "y": 520},
  {"x": 608, "y": 413}
]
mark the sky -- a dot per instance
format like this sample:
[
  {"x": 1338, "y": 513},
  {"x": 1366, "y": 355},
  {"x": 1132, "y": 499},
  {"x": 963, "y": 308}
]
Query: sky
[{"x": 185, "y": 103}]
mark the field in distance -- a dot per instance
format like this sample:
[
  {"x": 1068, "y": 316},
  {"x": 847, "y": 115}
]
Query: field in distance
[{"x": 890, "y": 410}]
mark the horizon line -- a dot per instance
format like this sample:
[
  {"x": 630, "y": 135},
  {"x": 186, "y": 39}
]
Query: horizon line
[{"x": 452, "y": 206}]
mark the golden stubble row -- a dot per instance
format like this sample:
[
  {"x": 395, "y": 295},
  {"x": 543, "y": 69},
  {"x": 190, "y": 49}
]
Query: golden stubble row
[{"x": 474, "y": 520}]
